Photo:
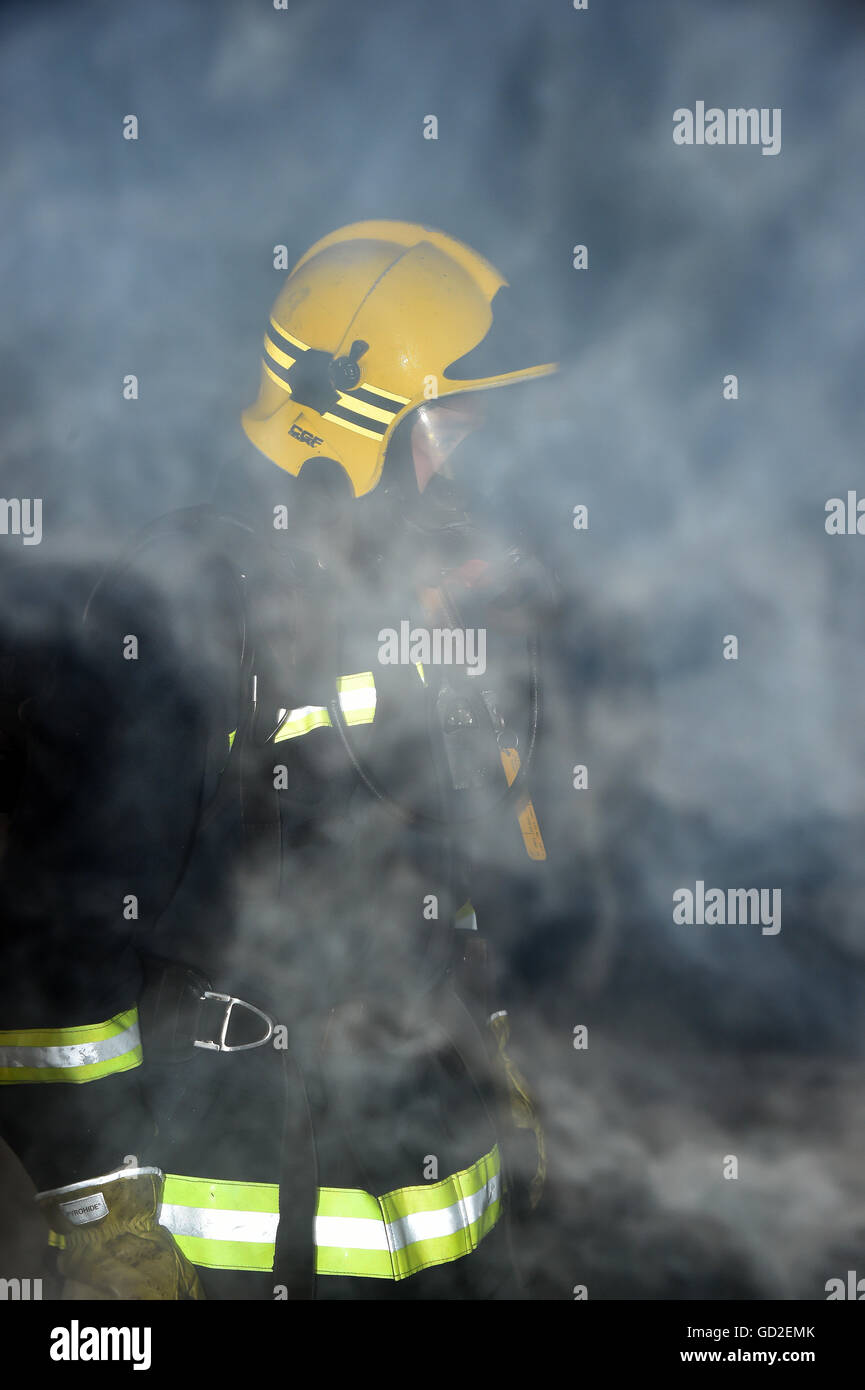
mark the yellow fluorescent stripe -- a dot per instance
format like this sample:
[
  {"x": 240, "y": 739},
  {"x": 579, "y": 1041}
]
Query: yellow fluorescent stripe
[
  {"x": 435, "y": 1195},
  {"x": 67, "y": 1037},
  {"x": 360, "y": 716},
  {"x": 379, "y": 1264},
  {"x": 442, "y": 1250},
  {"x": 278, "y": 381},
  {"x": 380, "y": 391},
  {"x": 283, "y": 358},
  {"x": 220, "y": 1194},
  {"x": 226, "y": 1254},
  {"x": 366, "y": 1264},
  {"x": 86, "y": 1052},
  {"x": 347, "y": 425},
  {"x": 466, "y": 914},
  {"x": 362, "y": 680},
  {"x": 364, "y": 408},
  {"x": 89, "y": 1071},
  {"x": 303, "y": 347},
  {"x": 529, "y": 827},
  {"x": 297, "y": 724},
  {"x": 354, "y": 1202}
]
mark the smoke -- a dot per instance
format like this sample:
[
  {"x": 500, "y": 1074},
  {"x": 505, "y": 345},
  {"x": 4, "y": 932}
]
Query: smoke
[{"x": 154, "y": 257}]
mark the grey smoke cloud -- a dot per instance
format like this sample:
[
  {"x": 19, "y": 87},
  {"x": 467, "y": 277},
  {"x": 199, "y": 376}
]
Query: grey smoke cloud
[{"x": 705, "y": 516}]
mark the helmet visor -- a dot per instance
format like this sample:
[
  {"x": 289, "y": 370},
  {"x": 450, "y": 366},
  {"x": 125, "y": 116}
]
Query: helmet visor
[{"x": 439, "y": 429}]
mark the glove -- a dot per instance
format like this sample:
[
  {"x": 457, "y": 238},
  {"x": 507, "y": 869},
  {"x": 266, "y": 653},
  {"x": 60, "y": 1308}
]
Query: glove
[
  {"x": 523, "y": 1110},
  {"x": 114, "y": 1247}
]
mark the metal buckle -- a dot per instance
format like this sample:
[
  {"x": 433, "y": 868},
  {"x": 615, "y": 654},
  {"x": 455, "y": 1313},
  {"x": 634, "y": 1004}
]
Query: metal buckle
[{"x": 231, "y": 1001}]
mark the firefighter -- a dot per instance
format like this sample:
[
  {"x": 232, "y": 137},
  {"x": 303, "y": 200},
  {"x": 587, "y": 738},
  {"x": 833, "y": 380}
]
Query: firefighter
[{"x": 249, "y": 1048}]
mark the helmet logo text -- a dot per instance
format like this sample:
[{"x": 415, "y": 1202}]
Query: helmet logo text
[{"x": 305, "y": 436}]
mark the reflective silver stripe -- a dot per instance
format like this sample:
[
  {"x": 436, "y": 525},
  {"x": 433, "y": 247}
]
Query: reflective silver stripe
[
  {"x": 362, "y": 1233},
  {"x": 352, "y": 1232},
  {"x": 427, "y": 1225},
  {"x": 73, "y": 1054},
  {"x": 349, "y": 700},
  {"x": 362, "y": 698},
  {"x": 300, "y": 713},
  {"x": 256, "y": 1227}
]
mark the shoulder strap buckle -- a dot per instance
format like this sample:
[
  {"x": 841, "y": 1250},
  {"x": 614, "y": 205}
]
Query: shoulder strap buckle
[{"x": 231, "y": 1002}]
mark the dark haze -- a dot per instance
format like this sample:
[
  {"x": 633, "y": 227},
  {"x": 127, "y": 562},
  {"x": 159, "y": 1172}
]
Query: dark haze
[{"x": 706, "y": 517}]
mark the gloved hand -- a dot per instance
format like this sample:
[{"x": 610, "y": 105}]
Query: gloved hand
[
  {"x": 523, "y": 1110},
  {"x": 114, "y": 1247}
]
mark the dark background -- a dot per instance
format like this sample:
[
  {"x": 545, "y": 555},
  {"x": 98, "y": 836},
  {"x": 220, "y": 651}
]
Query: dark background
[{"x": 261, "y": 127}]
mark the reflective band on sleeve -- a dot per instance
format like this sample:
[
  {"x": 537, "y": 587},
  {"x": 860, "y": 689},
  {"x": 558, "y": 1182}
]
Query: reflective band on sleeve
[
  {"x": 356, "y": 699},
  {"x": 229, "y": 1225},
  {"x": 86, "y": 1053}
]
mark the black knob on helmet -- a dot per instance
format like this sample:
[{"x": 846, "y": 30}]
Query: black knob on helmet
[{"x": 344, "y": 372}]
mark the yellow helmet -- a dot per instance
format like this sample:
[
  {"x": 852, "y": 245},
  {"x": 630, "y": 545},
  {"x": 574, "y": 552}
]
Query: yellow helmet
[{"x": 374, "y": 321}]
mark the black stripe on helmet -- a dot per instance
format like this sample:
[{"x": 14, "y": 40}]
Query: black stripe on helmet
[
  {"x": 370, "y": 396},
  {"x": 284, "y": 343},
  {"x": 351, "y": 416},
  {"x": 284, "y": 373}
]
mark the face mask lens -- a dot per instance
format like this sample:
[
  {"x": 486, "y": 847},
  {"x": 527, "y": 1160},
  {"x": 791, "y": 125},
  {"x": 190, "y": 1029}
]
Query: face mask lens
[{"x": 437, "y": 432}]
